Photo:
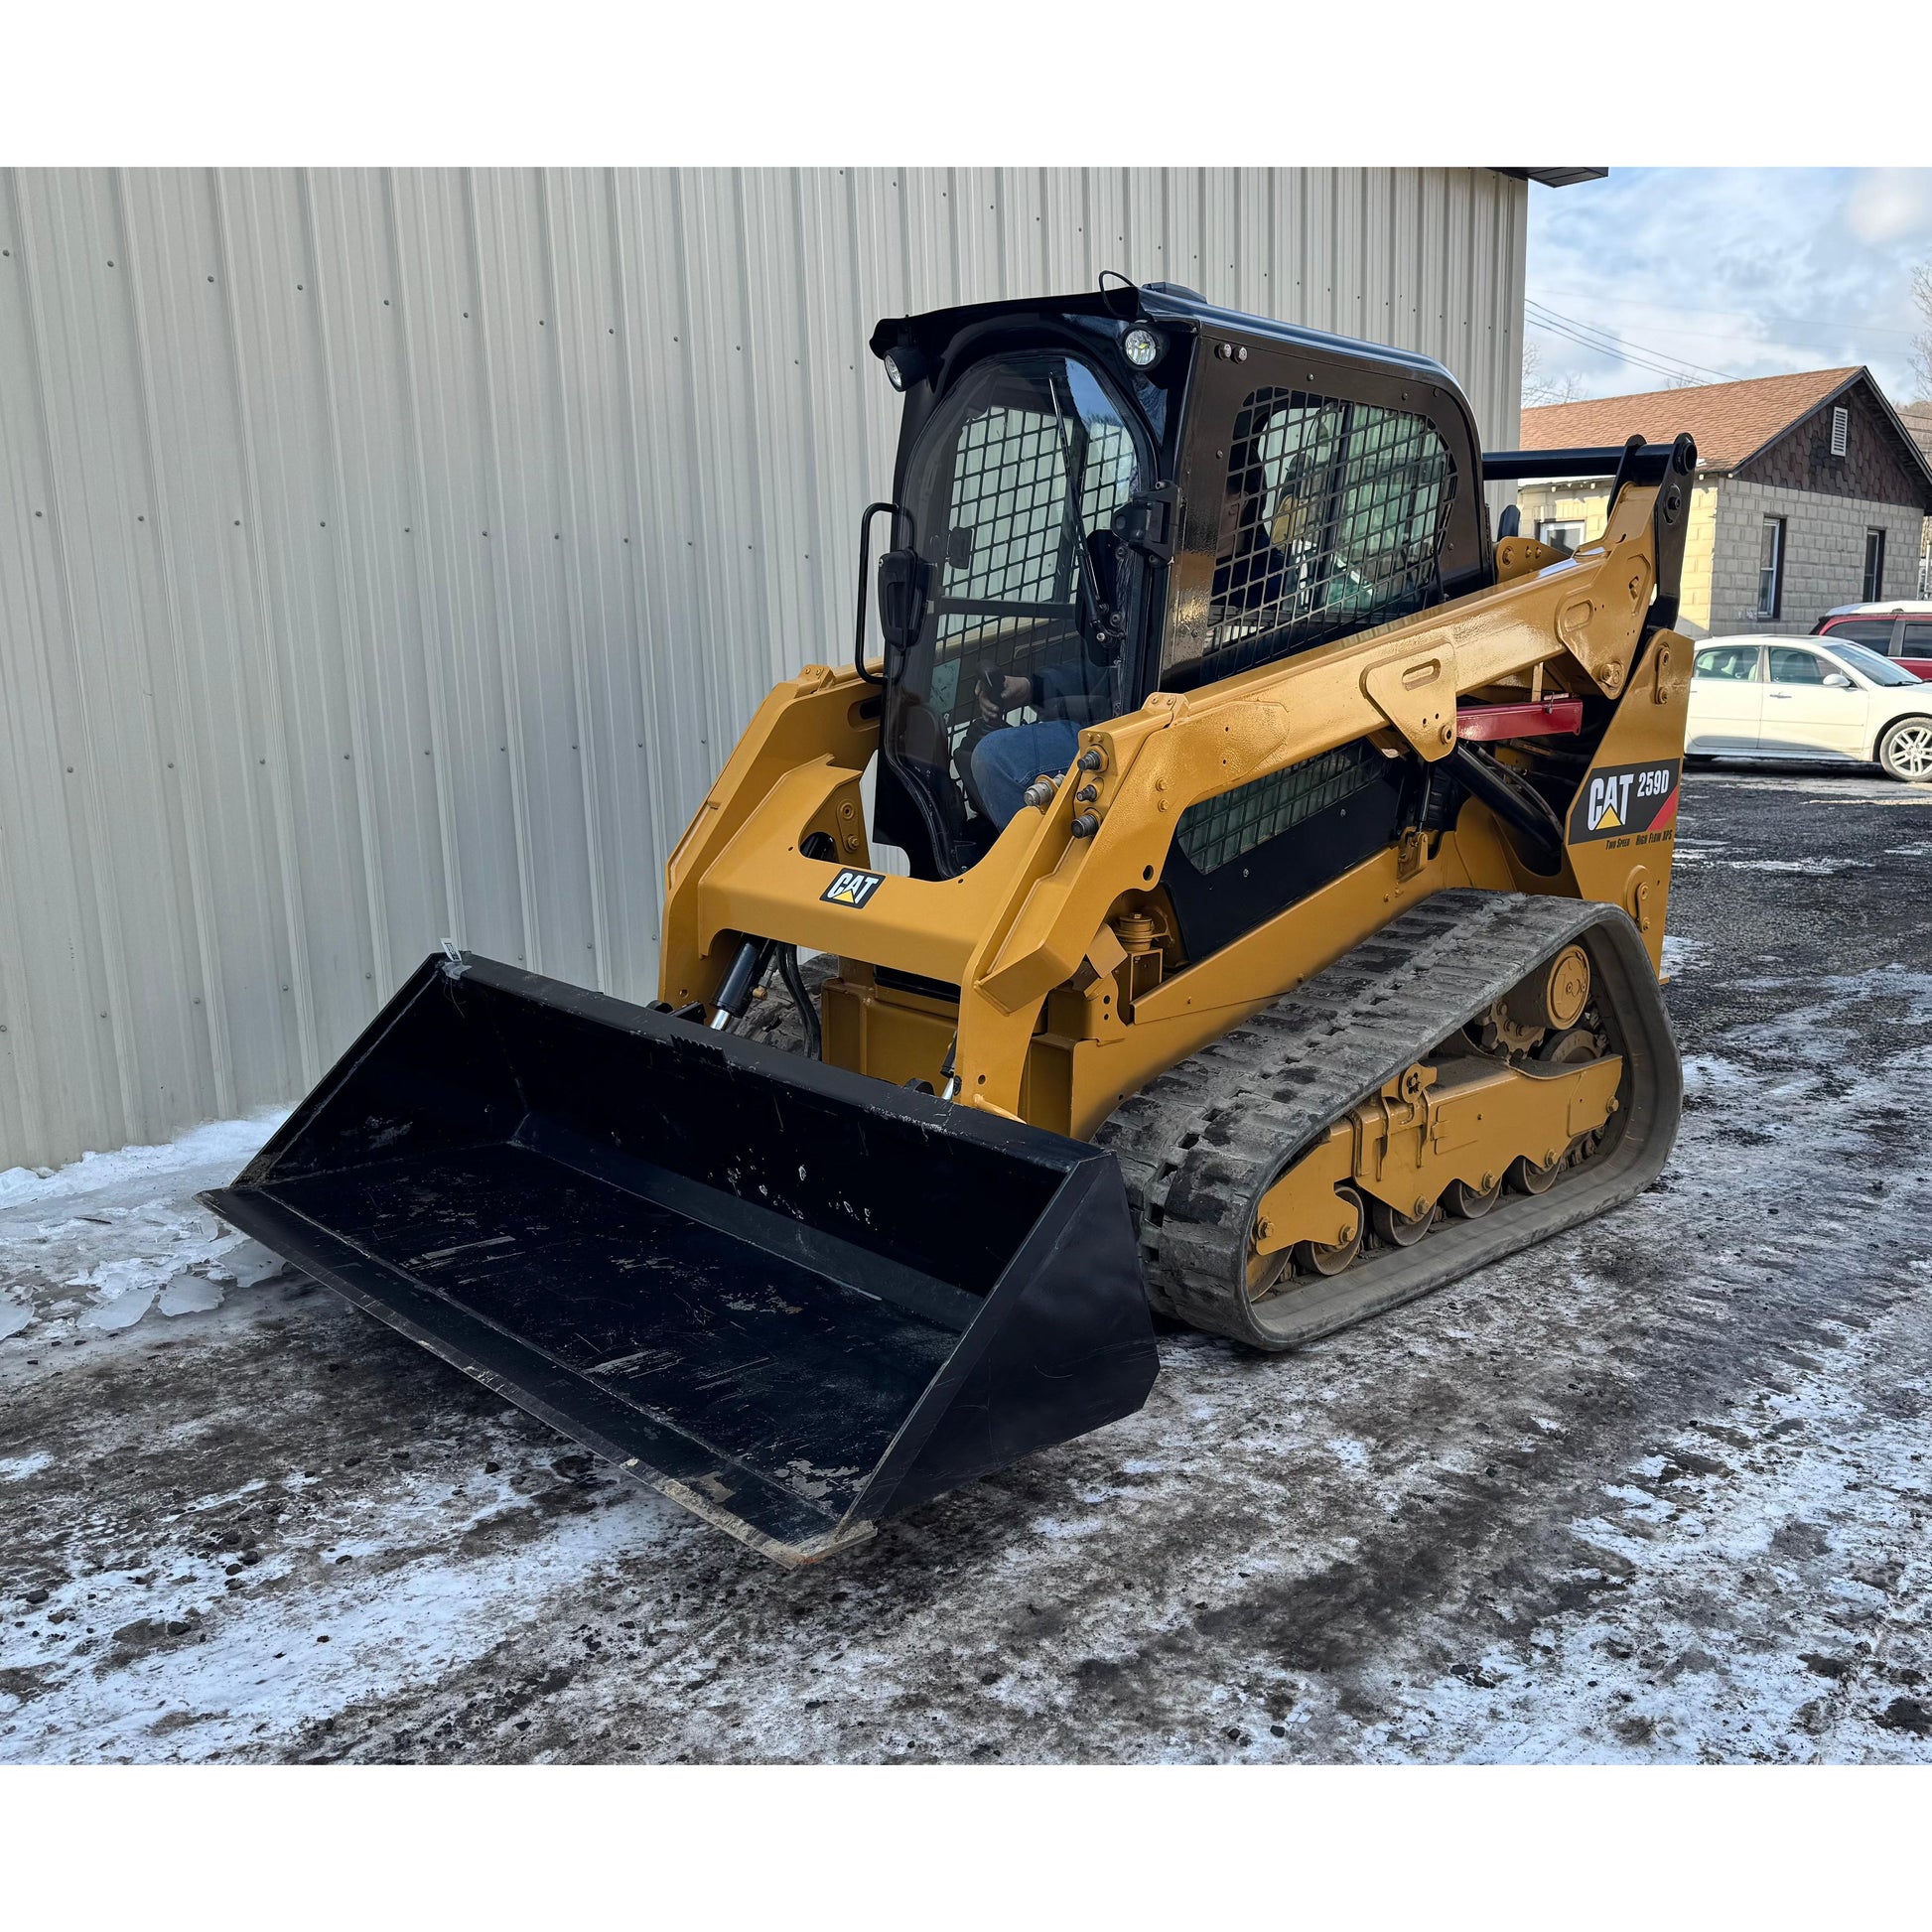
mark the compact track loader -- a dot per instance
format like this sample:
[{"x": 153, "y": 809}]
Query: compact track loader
[{"x": 1276, "y": 938}]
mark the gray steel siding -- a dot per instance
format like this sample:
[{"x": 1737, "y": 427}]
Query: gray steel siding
[{"x": 393, "y": 554}]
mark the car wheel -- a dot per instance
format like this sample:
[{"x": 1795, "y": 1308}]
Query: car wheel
[{"x": 1905, "y": 750}]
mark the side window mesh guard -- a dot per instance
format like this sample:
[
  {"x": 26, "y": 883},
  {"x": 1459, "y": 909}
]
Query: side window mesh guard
[{"x": 1332, "y": 521}]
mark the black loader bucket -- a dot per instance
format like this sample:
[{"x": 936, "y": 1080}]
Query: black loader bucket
[{"x": 795, "y": 1299}]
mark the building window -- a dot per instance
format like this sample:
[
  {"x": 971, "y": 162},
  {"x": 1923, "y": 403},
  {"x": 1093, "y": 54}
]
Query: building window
[
  {"x": 1565, "y": 535},
  {"x": 1770, "y": 568},
  {"x": 1840, "y": 431},
  {"x": 1874, "y": 566}
]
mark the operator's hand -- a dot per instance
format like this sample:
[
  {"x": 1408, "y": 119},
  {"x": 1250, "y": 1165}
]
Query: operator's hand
[{"x": 1014, "y": 691}]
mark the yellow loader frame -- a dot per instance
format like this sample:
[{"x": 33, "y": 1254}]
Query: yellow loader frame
[{"x": 1071, "y": 990}]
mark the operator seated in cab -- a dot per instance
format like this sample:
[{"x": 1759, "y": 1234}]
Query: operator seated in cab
[{"x": 1064, "y": 697}]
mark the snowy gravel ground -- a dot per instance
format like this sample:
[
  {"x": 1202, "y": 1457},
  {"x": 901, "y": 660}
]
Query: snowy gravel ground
[{"x": 1656, "y": 1490}]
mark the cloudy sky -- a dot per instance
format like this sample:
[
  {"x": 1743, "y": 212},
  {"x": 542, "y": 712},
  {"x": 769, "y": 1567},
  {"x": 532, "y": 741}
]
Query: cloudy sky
[{"x": 1728, "y": 272}]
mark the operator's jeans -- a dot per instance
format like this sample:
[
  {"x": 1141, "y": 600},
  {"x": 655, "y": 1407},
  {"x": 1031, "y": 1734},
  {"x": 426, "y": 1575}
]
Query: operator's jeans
[{"x": 1005, "y": 763}]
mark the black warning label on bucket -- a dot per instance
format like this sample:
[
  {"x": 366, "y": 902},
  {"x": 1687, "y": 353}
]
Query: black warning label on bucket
[
  {"x": 1625, "y": 798},
  {"x": 852, "y": 887}
]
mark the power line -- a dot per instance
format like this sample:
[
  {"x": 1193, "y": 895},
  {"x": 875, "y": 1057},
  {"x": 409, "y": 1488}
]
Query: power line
[
  {"x": 1610, "y": 343},
  {"x": 1614, "y": 339},
  {"x": 1782, "y": 340},
  {"x": 1782, "y": 344},
  {"x": 1625, "y": 358},
  {"x": 1740, "y": 315},
  {"x": 1605, "y": 342},
  {"x": 1623, "y": 354}
]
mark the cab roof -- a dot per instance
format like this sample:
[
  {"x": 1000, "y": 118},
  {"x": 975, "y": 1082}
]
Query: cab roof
[{"x": 1158, "y": 302}]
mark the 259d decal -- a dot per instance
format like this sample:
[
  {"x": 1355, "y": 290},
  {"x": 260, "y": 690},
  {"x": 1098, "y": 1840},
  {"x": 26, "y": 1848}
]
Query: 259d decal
[{"x": 1621, "y": 799}]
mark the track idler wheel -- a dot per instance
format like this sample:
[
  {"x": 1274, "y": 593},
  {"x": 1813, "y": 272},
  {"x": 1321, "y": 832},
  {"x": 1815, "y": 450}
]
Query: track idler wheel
[{"x": 1265, "y": 1271}]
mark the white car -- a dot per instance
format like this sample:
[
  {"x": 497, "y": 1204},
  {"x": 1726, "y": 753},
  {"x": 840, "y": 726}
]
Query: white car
[{"x": 1809, "y": 698}]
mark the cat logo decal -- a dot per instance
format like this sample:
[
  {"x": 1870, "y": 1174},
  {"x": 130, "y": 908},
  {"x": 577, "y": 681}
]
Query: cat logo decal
[{"x": 852, "y": 887}]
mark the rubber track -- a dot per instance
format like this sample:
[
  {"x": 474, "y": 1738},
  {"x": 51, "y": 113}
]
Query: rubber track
[{"x": 1200, "y": 1145}]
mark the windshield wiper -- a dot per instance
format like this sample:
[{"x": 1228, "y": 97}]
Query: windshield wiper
[{"x": 1074, "y": 530}]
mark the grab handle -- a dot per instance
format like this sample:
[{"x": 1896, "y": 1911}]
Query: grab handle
[{"x": 865, "y": 570}]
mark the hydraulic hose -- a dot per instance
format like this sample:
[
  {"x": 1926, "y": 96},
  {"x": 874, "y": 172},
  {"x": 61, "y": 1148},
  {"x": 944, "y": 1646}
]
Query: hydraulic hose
[
  {"x": 800, "y": 998},
  {"x": 1516, "y": 803}
]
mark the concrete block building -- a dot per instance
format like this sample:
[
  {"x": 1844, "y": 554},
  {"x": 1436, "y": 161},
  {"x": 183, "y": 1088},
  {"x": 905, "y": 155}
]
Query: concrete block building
[{"x": 1810, "y": 493}]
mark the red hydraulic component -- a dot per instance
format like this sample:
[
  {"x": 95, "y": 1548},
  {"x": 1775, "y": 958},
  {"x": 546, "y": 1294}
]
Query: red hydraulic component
[{"x": 1548, "y": 718}]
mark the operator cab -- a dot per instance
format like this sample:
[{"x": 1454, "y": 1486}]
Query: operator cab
[{"x": 1103, "y": 495}]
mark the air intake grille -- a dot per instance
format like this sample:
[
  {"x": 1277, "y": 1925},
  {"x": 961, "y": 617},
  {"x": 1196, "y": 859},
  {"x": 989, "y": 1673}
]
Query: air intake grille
[{"x": 1221, "y": 830}]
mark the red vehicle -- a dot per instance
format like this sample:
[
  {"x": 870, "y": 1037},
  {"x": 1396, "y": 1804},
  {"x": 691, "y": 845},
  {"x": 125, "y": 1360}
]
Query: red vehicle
[{"x": 1901, "y": 629}]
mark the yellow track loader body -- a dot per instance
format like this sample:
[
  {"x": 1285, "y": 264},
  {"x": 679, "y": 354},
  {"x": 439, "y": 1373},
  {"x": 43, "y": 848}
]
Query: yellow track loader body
[
  {"x": 1296, "y": 952},
  {"x": 1054, "y": 1020}
]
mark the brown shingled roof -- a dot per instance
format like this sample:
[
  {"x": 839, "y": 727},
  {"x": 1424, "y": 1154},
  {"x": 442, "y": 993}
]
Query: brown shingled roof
[{"x": 1730, "y": 420}]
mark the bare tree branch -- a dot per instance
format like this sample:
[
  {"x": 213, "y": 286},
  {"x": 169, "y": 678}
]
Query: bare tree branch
[
  {"x": 1540, "y": 387},
  {"x": 1922, "y": 341}
]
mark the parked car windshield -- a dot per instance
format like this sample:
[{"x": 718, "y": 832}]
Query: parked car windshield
[{"x": 1869, "y": 664}]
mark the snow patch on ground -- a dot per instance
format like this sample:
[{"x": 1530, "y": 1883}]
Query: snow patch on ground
[
  {"x": 1707, "y": 1074},
  {"x": 121, "y": 1308},
  {"x": 190, "y": 1295},
  {"x": 1822, "y": 865},
  {"x": 96, "y": 1246},
  {"x": 1840, "y": 788},
  {"x": 1683, "y": 955},
  {"x": 220, "y": 1144},
  {"x": 304, "y": 1654}
]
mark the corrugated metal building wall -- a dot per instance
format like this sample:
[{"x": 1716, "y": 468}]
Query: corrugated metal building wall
[{"x": 393, "y": 554}]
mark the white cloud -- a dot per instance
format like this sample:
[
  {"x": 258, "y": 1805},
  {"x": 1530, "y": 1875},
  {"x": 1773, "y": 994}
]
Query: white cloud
[
  {"x": 1891, "y": 205},
  {"x": 1741, "y": 271}
]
